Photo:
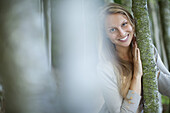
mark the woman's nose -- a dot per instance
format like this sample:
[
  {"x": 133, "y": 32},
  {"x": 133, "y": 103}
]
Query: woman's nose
[{"x": 121, "y": 32}]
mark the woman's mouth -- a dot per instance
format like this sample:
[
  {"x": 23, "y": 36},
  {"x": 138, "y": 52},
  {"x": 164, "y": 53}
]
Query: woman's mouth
[{"x": 124, "y": 39}]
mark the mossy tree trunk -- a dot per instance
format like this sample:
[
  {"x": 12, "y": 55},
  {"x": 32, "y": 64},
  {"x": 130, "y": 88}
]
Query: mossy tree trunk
[{"x": 150, "y": 85}]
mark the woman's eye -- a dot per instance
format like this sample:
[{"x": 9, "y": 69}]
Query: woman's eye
[
  {"x": 112, "y": 30},
  {"x": 124, "y": 24}
]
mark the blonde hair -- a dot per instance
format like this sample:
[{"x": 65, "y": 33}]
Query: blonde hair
[{"x": 107, "y": 48}]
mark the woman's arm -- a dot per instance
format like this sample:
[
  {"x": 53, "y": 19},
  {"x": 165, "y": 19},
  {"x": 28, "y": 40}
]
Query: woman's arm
[
  {"x": 164, "y": 77},
  {"x": 137, "y": 73},
  {"x": 113, "y": 100}
]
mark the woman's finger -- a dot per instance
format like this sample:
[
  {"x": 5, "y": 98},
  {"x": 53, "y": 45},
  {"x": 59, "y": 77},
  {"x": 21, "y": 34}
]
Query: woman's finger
[
  {"x": 134, "y": 49},
  {"x": 136, "y": 44},
  {"x": 135, "y": 54},
  {"x": 138, "y": 54}
]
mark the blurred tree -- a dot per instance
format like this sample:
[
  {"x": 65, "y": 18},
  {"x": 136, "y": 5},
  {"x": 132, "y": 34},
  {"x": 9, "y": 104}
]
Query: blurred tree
[
  {"x": 2, "y": 100},
  {"x": 127, "y": 4},
  {"x": 28, "y": 83},
  {"x": 156, "y": 32},
  {"x": 153, "y": 9}
]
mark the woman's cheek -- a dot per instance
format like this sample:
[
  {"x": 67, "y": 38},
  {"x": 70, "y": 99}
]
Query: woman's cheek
[
  {"x": 130, "y": 28},
  {"x": 112, "y": 39}
]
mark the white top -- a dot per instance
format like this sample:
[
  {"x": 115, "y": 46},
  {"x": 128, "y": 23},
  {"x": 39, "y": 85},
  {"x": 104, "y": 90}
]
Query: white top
[{"x": 114, "y": 102}]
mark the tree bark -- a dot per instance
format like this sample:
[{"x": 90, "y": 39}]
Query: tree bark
[{"x": 150, "y": 85}]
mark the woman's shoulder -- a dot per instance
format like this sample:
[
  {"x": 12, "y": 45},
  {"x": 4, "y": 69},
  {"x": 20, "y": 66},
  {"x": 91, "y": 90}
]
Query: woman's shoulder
[
  {"x": 106, "y": 71},
  {"x": 104, "y": 65}
]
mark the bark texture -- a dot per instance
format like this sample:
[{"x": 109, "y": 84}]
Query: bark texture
[{"x": 150, "y": 86}]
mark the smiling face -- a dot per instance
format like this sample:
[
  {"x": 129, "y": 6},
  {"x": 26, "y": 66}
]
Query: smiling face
[{"x": 119, "y": 30}]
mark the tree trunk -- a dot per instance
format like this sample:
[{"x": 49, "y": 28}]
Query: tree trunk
[
  {"x": 150, "y": 85},
  {"x": 155, "y": 28},
  {"x": 28, "y": 84},
  {"x": 2, "y": 99}
]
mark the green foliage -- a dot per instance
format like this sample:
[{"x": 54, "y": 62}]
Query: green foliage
[
  {"x": 117, "y": 1},
  {"x": 165, "y": 100}
]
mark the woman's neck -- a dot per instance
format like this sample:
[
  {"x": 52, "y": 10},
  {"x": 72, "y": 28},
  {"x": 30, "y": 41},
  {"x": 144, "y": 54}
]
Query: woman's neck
[{"x": 124, "y": 53}]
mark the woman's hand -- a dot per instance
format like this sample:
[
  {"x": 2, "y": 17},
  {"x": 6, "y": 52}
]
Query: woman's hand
[
  {"x": 137, "y": 72},
  {"x": 136, "y": 61}
]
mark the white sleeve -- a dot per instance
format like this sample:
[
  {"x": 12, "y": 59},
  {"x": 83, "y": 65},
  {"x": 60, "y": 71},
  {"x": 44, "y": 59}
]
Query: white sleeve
[
  {"x": 113, "y": 100},
  {"x": 164, "y": 77}
]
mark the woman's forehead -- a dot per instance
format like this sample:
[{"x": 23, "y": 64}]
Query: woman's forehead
[{"x": 114, "y": 19}]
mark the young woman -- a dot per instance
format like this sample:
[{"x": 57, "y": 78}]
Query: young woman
[{"x": 120, "y": 67}]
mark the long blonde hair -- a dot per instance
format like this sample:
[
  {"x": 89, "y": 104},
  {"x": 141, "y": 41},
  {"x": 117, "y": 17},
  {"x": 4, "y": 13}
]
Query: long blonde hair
[{"x": 123, "y": 69}]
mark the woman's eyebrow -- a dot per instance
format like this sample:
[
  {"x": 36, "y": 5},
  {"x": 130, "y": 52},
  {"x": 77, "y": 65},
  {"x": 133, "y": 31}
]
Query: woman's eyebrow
[
  {"x": 124, "y": 21},
  {"x": 111, "y": 27},
  {"x": 120, "y": 24}
]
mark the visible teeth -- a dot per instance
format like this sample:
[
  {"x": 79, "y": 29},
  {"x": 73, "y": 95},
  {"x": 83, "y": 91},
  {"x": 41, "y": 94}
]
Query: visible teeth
[{"x": 124, "y": 38}]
